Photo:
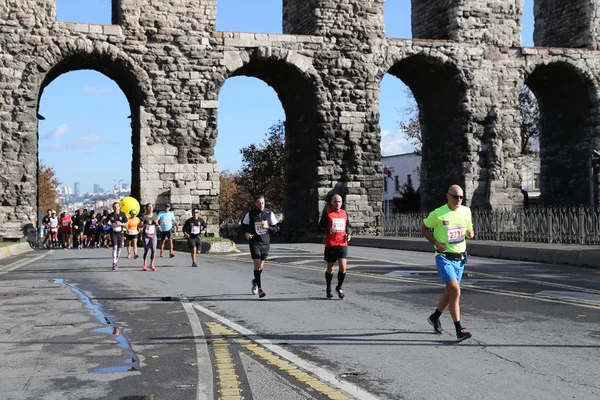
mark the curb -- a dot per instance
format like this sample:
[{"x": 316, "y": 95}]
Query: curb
[
  {"x": 213, "y": 247},
  {"x": 576, "y": 255},
  {"x": 14, "y": 250}
]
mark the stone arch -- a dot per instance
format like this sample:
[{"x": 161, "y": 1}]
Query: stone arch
[
  {"x": 296, "y": 83},
  {"x": 109, "y": 61},
  {"x": 567, "y": 98},
  {"x": 440, "y": 92}
]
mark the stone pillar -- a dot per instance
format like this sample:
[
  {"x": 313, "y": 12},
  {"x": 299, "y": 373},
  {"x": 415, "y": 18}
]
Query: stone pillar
[
  {"x": 475, "y": 21},
  {"x": 18, "y": 106},
  {"x": 360, "y": 19},
  {"x": 566, "y": 23}
]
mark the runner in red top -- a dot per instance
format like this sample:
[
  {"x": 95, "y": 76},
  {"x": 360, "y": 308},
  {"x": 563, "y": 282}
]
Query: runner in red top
[
  {"x": 335, "y": 222},
  {"x": 64, "y": 227}
]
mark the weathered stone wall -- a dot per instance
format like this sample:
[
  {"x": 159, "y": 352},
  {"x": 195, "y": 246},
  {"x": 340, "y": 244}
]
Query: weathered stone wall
[
  {"x": 495, "y": 22},
  {"x": 563, "y": 23},
  {"x": 171, "y": 64}
]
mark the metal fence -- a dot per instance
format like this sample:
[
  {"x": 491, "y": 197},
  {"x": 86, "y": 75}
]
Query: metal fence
[{"x": 541, "y": 224}]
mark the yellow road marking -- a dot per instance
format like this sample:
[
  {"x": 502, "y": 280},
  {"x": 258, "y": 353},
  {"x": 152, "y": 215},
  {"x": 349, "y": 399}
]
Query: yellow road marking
[{"x": 227, "y": 379}]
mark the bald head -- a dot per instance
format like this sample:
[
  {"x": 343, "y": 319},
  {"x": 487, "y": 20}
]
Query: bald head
[
  {"x": 455, "y": 197},
  {"x": 336, "y": 201}
]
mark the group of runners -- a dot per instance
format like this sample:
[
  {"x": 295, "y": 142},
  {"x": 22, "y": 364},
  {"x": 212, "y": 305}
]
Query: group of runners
[{"x": 446, "y": 228}]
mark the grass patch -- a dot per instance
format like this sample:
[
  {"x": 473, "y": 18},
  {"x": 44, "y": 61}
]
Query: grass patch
[{"x": 214, "y": 239}]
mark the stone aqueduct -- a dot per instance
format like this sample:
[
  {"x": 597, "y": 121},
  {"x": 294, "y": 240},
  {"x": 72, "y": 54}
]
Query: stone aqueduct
[{"x": 464, "y": 65}]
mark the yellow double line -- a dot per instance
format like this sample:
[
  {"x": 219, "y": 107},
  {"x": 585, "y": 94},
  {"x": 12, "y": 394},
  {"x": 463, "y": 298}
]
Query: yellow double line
[{"x": 228, "y": 380}]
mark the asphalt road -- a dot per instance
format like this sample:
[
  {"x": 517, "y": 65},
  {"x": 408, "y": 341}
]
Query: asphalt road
[{"x": 71, "y": 328}]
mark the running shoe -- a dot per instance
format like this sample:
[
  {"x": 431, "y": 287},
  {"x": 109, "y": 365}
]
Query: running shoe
[
  {"x": 135, "y": 256},
  {"x": 162, "y": 254},
  {"x": 340, "y": 292},
  {"x": 194, "y": 264},
  {"x": 115, "y": 267},
  {"x": 254, "y": 287},
  {"x": 437, "y": 325},
  {"x": 329, "y": 295},
  {"x": 152, "y": 267},
  {"x": 128, "y": 255},
  {"x": 171, "y": 255},
  {"x": 144, "y": 268},
  {"x": 463, "y": 334},
  {"x": 261, "y": 293}
]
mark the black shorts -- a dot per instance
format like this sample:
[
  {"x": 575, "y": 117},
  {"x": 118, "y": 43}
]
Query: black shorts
[
  {"x": 130, "y": 237},
  {"x": 334, "y": 253},
  {"x": 166, "y": 234},
  {"x": 195, "y": 243},
  {"x": 116, "y": 238},
  {"x": 259, "y": 250}
]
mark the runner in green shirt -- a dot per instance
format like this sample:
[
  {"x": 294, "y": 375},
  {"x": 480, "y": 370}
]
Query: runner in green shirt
[{"x": 451, "y": 225}]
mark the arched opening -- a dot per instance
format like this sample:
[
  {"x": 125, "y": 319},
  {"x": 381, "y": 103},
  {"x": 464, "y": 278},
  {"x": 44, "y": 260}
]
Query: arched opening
[
  {"x": 89, "y": 126},
  {"x": 400, "y": 143},
  {"x": 88, "y": 12},
  {"x": 397, "y": 17},
  {"x": 249, "y": 16},
  {"x": 248, "y": 109},
  {"x": 439, "y": 92},
  {"x": 527, "y": 24},
  {"x": 566, "y": 100},
  {"x": 296, "y": 93}
]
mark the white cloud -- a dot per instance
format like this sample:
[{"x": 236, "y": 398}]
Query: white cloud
[
  {"x": 81, "y": 142},
  {"x": 395, "y": 143},
  {"x": 98, "y": 91},
  {"x": 57, "y": 132}
]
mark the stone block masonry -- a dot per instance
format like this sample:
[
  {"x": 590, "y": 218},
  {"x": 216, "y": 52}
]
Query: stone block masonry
[{"x": 464, "y": 65}]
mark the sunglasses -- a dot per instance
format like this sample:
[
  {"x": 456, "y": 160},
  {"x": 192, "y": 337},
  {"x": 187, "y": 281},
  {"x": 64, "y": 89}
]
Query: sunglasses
[{"x": 456, "y": 197}]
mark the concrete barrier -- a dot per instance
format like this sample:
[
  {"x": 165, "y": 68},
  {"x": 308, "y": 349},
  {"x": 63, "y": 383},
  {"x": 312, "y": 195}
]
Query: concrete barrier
[
  {"x": 14, "y": 250},
  {"x": 207, "y": 247},
  {"x": 570, "y": 254}
]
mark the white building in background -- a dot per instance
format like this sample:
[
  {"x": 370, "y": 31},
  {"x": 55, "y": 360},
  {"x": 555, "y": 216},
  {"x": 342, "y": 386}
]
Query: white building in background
[{"x": 400, "y": 168}]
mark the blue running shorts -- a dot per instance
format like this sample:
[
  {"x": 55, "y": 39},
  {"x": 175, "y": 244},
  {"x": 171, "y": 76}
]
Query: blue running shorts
[{"x": 449, "y": 270}]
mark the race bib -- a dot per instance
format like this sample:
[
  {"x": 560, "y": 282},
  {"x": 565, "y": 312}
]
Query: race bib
[
  {"x": 258, "y": 226},
  {"x": 195, "y": 230},
  {"x": 338, "y": 224},
  {"x": 132, "y": 232},
  {"x": 65, "y": 223},
  {"x": 456, "y": 234},
  {"x": 116, "y": 228},
  {"x": 150, "y": 230}
]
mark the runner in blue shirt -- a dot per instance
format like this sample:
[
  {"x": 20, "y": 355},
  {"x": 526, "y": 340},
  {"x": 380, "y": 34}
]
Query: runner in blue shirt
[{"x": 168, "y": 226}]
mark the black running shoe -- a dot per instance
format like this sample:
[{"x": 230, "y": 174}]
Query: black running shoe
[
  {"x": 194, "y": 264},
  {"x": 340, "y": 292},
  {"x": 463, "y": 334},
  {"x": 254, "y": 287},
  {"x": 261, "y": 293},
  {"x": 437, "y": 325},
  {"x": 329, "y": 295}
]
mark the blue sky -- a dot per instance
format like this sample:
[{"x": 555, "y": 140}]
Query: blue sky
[{"x": 86, "y": 135}]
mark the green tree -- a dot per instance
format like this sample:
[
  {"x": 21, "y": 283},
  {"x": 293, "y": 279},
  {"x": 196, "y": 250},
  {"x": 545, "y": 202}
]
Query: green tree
[
  {"x": 264, "y": 168},
  {"x": 48, "y": 185},
  {"x": 530, "y": 119},
  {"x": 409, "y": 199}
]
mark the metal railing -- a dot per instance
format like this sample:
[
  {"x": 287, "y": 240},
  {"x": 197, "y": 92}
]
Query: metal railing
[{"x": 541, "y": 224}]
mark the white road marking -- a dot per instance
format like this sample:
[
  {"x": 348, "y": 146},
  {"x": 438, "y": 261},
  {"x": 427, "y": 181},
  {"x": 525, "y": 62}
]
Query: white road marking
[
  {"x": 205, "y": 375},
  {"x": 21, "y": 263},
  {"x": 319, "y": 372}
]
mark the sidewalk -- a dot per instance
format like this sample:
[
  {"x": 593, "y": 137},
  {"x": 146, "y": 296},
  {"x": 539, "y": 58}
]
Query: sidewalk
[{"x": 554, "y": 253}]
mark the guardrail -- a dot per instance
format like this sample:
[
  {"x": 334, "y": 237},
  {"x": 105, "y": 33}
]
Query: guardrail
[{"x": 541, "y": 224}]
